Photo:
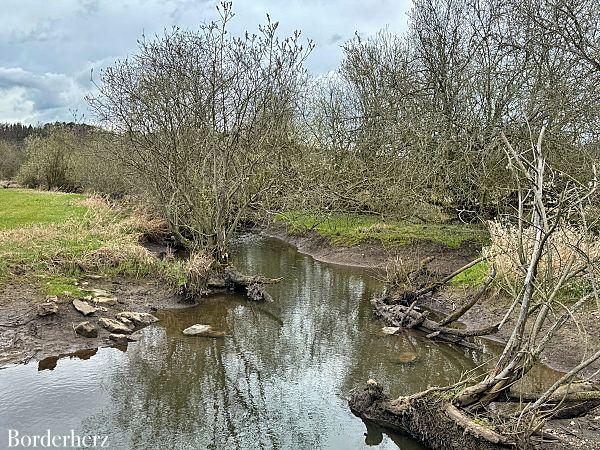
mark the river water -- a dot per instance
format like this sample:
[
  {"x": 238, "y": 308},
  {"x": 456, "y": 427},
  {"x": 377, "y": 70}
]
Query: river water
[{"x": 279, "y": 379}]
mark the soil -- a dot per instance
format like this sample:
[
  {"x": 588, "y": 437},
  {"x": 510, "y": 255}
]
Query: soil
[
  {"x": 375, "y": 256},
  {"x": 24, "y": 336}
]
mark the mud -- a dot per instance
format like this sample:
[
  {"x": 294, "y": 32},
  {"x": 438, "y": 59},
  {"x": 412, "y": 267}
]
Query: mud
[
  {"x": 24, "y": 336},
  {"x": 373, "y": 255}
]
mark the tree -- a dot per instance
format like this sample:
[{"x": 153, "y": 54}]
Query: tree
[
  {"x": 551, "y": 249},
  {"x": 205, "y": 115}
]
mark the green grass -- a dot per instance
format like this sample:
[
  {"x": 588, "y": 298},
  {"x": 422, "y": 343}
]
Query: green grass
[
  {"x": 55, "y": 238},
  {"x": 57, "y": 285},
  {"x": 473, "y": 276},
  {"x": 351, "y": 230},
  {"x": 20, "y": 208}
]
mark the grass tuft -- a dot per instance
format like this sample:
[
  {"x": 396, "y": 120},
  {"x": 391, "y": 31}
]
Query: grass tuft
[{"x": 57, "y": 238}]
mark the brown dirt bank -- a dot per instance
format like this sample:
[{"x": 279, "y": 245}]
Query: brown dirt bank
[
  {"x": 25, "y": 336},
  {"x": 373, "y": 255}
]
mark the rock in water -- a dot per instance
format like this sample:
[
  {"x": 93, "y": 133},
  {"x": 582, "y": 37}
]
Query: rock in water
[
  {"x": 390, "y": 330},
  {"x": 84, "y": 307},
  {"x": 86, "y": 329},
  {"x": 140, "y": 319},
  {"x": 47, "y": 309},
  {"x": 202, "y": 330},
  {"x": 114, "y": 326}
]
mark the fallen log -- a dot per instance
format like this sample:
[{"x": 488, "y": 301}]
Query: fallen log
[
  {"x": 395, "y": 314},
  {"x": 428, "y": 417},
  {"x": 561, "y": 405},
  {"x": 250, "y": 285}
]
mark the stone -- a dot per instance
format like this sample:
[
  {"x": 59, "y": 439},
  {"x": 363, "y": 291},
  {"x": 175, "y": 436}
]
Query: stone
[
  {"x": 98, "y": 292},
  {"x": 139, "y": 319},
  {"x": 122, "y": 339},
  {"x": 114, "y": 326},
  {"x": 84, "y": 307},
  {"x": 105, "y": 301},
  {"x": 126, "y": 321},
  {"x": 86, "y": 329},
  {"x": 390, "y": 330},
  {"x": 47, "y": 309},
  {"x": 92, "y": 276},
  {"x": 202, "y": 330}
]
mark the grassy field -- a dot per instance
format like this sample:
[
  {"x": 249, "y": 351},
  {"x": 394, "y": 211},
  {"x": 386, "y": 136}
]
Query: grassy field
[
  {"x": 52, "y": 239},
  {"x": 350, "y": 230},
  {"x": 21, "y": 208}
]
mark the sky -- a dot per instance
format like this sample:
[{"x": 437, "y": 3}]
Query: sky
[{"x": 49, "y": 47}]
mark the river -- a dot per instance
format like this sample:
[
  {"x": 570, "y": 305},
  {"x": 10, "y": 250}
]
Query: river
[{"x": 279, "y": 379}]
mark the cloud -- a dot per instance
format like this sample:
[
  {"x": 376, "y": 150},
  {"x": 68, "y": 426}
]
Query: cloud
[
  {"x": 31, "y": 97},
  {"x": 48, "y": 48}
]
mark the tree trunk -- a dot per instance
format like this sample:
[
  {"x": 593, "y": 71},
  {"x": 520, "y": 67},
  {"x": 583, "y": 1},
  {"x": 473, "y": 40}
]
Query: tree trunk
[{"x": 428, "y": 417}]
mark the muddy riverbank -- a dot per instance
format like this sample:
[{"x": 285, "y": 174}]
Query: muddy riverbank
[{"x": 26, "y": 336}]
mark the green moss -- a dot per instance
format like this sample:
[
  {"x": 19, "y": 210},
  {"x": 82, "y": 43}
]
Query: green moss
[
  {"x": 473, "y": 276},
  {"x": 350, "y": 230},
  {"x": 21, "y": 208}
]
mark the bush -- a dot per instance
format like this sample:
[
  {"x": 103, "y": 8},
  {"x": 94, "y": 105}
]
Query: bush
[
  {"x": 71, "y": 159},
  {"x": 11, "y": 158}
]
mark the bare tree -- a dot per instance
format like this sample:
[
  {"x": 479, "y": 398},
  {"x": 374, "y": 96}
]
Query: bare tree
[
  {"x": 551, "y": 250},
  {"x": 205, "y": 114}
]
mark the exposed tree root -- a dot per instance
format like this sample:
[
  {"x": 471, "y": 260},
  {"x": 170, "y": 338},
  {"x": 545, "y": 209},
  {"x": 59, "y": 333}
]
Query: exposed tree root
[{"x": 428, "y": 417}]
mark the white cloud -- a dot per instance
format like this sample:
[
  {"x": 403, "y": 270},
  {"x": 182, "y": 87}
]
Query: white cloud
[
  {"x": 48, "y": 48},
  {"x": 31, "y": 97}
]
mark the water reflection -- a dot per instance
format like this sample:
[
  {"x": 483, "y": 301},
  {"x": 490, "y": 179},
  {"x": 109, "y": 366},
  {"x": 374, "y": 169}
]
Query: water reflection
[
  {"x": 279, "y": 379},
  {"x": 51, "y": 362}
]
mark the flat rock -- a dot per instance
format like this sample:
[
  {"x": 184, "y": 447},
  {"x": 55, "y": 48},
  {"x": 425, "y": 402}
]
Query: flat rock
[
  {"x": 122, "y": 339},
  {"x": 92, "y": 276},
  {"x": 105, "y": 301},
  {"x": 84, "y": 307},
  {"x": 98, "y": 292},
  {"x": 47, "y": 309},
  {"x": 114, "y": 326},
  {"x": 86, "y": 329},
  {"x": 137, "y": 318},
  {"x": 202, "y": 330},
  {"x": 390, "y": 330}
]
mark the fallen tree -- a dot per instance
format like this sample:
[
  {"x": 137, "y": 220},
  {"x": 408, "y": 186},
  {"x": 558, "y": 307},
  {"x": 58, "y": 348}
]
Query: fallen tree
[
  {"x": 547, "y": 260},
  {"x": 392, "y": 305}
]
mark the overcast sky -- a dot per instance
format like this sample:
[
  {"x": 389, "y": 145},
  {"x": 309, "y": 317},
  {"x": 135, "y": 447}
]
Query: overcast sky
[{"x": 47, "y": 47}]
